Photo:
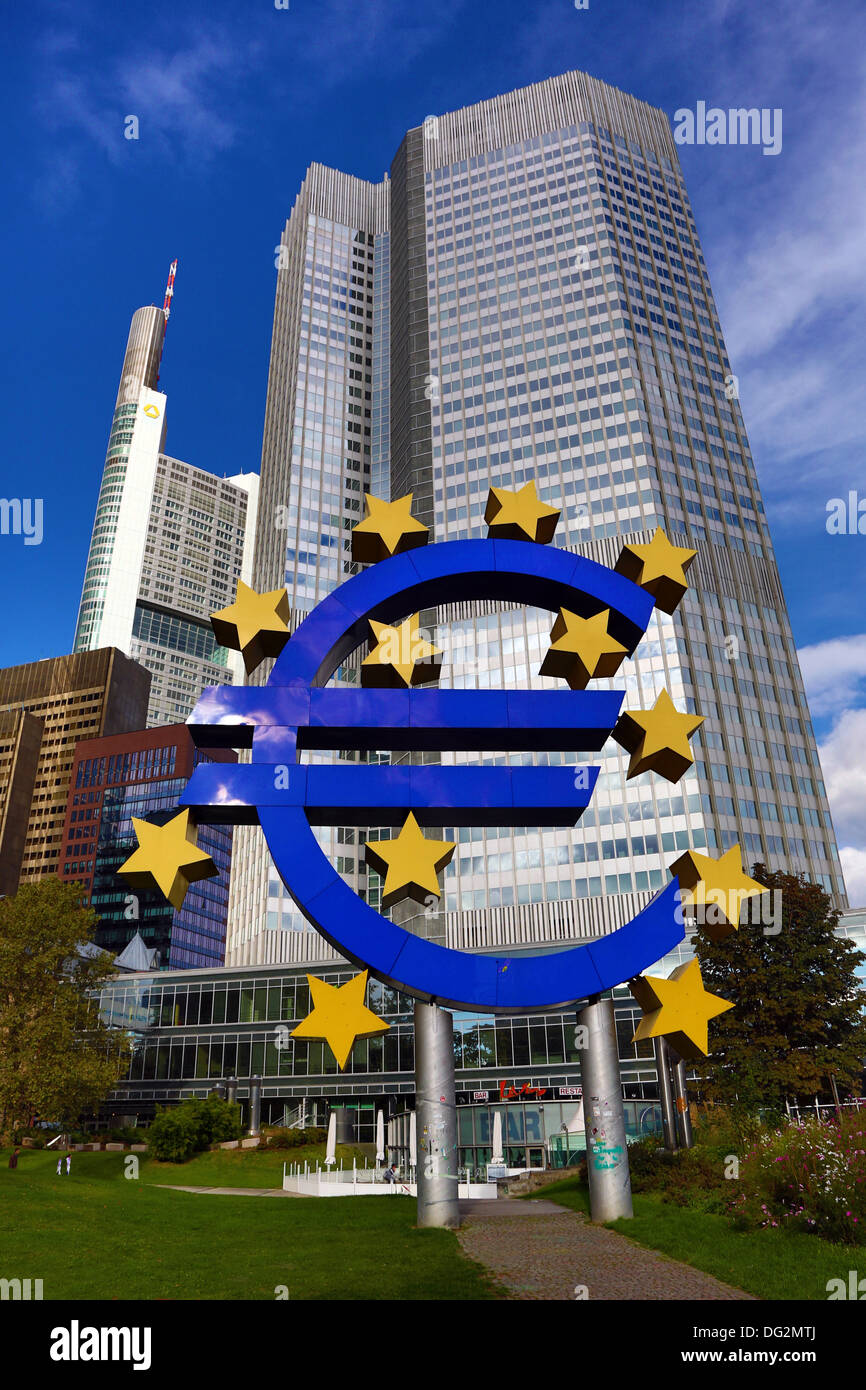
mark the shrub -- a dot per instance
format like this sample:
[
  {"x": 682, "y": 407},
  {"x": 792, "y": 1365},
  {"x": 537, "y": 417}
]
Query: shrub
[
  {"x": 182, "y": 1130},
  {"x": 281, "y": 1139},
  {"x": 293, "y": 1138},
  {"x": 690, "y": 1177},
  {"x": 172, "y": 1137},
  {"x": 215, "y": 1120},
  {"x": 807, "y": 1177}
]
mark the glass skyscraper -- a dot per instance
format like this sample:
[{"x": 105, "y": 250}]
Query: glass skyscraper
[
  {"x": 141, "y": 775},
  {"x": 168, "y": 546},
  {"x": 525, "y": 297}
]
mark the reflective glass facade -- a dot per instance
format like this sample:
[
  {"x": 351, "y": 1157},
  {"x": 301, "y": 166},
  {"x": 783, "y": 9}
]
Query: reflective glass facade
[
  {"x": 191, "y": 936},
  {"x": 195, "y": 1030},
  {"x": 550, "y": 318},
  {"x": 141, "y": 775}
]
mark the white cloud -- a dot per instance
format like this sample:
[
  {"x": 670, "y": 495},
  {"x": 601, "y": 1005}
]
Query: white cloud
[
  {"x": 788, "y": 268},
  {"x": 834, "y": 673},
  {"x": 844, "y": 764},
  {"x": 843, "y": 758},
  {"x": 854, "y": 869},
  {"x": 199, "y": 91},
  {"x": 179, "y": 97}
]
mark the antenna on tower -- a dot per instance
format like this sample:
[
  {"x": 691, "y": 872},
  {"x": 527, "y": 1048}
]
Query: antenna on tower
[
  {"x": 166, "y": 307},
  {"x": 169, "y": 290}
]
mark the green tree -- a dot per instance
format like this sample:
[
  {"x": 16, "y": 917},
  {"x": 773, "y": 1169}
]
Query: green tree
[
  {"x": 57, "y": 1059},
  {"x": 798, "y": 1004},
  {"x": 179, "y": 1131}
]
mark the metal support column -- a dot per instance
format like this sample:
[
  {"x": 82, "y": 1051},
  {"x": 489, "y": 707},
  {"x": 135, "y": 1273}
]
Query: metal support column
[
  {"x": 436, "y": 1112},
  {"x": 684, "y": 1119},
  {"x": 603, "y": 1114},
  {"x": 255, "y": 1105},
  {"x": 669, "y": 1121},
  {"x": 232, "y": 1090}
]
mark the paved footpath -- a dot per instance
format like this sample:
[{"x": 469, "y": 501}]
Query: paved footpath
[
  {"x": 229, "y": 1191},
  {"x": 537, "y": 1249}
]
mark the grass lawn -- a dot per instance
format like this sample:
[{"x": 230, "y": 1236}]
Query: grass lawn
[
  {"x": 769, "y": 1264},
  {"x": 222, "y": 1167},
  {"x": 99, "y": 1235}
]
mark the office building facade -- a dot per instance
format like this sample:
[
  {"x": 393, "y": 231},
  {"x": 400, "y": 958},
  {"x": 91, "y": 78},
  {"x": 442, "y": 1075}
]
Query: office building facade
[
  {"x": 193, "y": 1030},
  {"x": 141, "y": 775},
  {"x": 20, "y": 745},
  {"x": 534, "y": 267},
  {"x": 46, "y": 707},
  {"x": 169, "y": 543},
  {"x": 329, "y": 328}
]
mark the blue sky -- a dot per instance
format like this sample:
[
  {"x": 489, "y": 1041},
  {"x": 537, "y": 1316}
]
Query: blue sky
[{"x": 234, "y": 101}]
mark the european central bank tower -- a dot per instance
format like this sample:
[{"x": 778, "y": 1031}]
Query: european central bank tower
[{"x": 524, "y": 297}]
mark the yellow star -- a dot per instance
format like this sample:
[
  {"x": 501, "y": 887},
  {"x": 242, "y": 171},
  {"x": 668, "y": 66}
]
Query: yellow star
[
  {"x": 678, "y": 1009},
  {"x": 339, "y": 1016},
  {"x": 389, "y": 528},
  {"x": 401, "y": 657},
  {"x": 167, "y": 858},
  {"x": 581, "y": 648},
  {"x": 411, "y": 863},
  {"x": 657, "y": 738},
  {"x": 718, "y": 883},
  {"x": 256, "y": 625},
  {"x": 519, "y": 516},
  {"x": 659, "y": 567}
]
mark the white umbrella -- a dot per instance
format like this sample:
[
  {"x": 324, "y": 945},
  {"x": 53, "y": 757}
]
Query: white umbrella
[
  {"x": 413, "y": 1140},
  {"x": 380, "y": 1136},
  {"x": 498, "y": 1155},
  {"x": 331, "y": 1153},
  {"x": 575, "y": 1124}
]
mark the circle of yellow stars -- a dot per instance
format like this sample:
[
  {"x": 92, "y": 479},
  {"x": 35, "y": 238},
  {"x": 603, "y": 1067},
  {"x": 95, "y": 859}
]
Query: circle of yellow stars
[{"x": 581, "y": 648}]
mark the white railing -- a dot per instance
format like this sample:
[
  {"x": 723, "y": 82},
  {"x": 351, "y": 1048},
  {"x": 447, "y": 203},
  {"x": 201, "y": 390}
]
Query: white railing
[
  {"x": 822, "y": 1111},
  {"x": 335, "y": 1181},
  {"x": 297, "y": 1118}
]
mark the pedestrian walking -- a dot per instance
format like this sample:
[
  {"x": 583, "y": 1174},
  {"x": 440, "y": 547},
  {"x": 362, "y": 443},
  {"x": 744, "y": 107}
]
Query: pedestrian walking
[
  {"x": 13, "y": 1157},
  {"x": 68, "y": 1164},
  {"x": 60, "y": 1166}
]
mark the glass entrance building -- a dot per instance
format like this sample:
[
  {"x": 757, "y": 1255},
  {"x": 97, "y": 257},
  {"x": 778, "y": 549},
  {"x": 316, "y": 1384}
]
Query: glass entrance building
[{"x": 194, "y": 1029}]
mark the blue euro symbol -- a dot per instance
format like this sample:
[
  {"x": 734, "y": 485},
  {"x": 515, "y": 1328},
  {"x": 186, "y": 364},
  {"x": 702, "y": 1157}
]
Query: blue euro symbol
[{"x": 296, "y": 711}]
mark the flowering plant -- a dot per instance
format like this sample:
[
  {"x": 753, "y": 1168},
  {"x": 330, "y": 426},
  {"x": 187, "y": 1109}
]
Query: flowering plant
[{"x": 809, "y": 1176}]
